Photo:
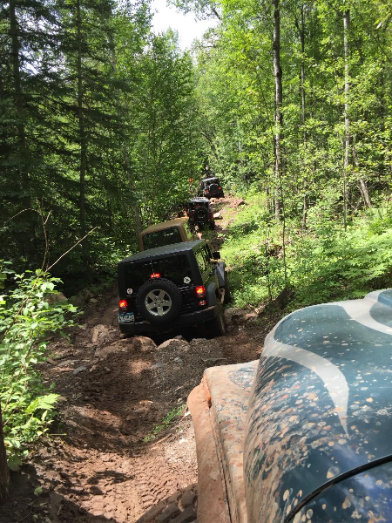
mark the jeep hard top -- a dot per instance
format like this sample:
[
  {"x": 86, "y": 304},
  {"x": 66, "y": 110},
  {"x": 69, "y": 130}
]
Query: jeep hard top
[
  {"x": 200, "y": 214},
  {"x": 211, "y": 188},
  {"x": 165, "y": 233},
  {"x": 170, "y": 286}
]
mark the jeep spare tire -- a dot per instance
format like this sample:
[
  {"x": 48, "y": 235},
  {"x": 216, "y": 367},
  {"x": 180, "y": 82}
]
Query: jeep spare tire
[
  {"x": 201, "y": 215},
  {"x": 214, "y": 189},
  {"x": 159, "y": 301}
]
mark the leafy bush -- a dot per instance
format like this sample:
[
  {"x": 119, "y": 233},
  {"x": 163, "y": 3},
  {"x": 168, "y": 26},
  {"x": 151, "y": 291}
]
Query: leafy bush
[
  {"x": 253, "y": 252},
  {"x": 345, "y": 265},
  {"x": 324, "y": 263},
  {"x": 28, "y": 314}
]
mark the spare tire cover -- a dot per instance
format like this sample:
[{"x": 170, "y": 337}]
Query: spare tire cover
[
  {"x": 214, "y": 189},
  {"x": 201, "y": 214}
]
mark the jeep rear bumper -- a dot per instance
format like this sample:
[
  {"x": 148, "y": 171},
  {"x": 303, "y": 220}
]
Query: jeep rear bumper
[{"x": 139, "y": 327}]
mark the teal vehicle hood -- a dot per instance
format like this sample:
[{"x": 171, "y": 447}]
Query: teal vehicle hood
[{"x": 320, "y": 416}]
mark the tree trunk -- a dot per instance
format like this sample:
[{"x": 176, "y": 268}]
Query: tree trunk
[
  {"x": 4, "y": 470},
  {"x": 279, "y": 199},
  {"x": 365, "y": 193},
  {"x": 82, "y": 133},
  {"x": 19, "y": 109},
  {"x": 303, "y": 93},
  {"x": 278, "y": 107},
  {"x": 303, "y": 112},
  {"x": 362, "y": 183},
  {"x": 347, "y": 137},
  {"x": 127, "y": 161}
]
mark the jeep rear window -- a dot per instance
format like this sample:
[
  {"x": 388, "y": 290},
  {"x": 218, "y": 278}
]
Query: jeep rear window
[
  {"x": 174, "y": 268},
  {"x": 209, "y": 182},
  {"x": 203, "y": 259},
  {"x": 161, "y": 238}
]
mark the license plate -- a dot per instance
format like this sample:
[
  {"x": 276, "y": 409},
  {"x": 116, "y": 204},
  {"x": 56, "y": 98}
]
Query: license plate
[{"x": 126, "y": 317}]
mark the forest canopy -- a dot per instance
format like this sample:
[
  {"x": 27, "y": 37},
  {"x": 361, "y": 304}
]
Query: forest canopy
[{"x": 98, "y": 127}]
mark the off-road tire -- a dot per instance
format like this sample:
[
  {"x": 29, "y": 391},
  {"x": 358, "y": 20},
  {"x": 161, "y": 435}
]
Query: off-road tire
[
  {"x": 159, "y": 301},
  {"x": 216, "y": 327},
  {"x": 201, "y": 216}
]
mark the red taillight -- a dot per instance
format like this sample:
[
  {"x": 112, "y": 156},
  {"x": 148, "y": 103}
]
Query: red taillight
[
  {"x": 123, "y": 304},
  {"x": 200, "y": 291},
  {"x": 220, "y": 188},
  {"x": 207, "y": 190},
  {"x": 155, "y": 275}
]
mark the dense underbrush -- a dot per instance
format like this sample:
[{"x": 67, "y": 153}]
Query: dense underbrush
[{"x": 321, "y": 263}]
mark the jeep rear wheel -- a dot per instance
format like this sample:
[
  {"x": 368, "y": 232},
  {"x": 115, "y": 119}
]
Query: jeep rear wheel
[
  {"x": 216, "y": 327},
  {"x": 159, "y": 301}
]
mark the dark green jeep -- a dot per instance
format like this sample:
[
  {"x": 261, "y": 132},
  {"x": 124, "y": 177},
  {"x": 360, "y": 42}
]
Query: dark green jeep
[{"x": 171, "y": 286}]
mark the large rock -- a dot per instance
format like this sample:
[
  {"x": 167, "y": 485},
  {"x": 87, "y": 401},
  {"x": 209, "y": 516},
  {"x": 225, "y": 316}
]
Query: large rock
[
  {"x": 103, "y": 352},
  {"x": 103, "y": 335},
  {"x": 81, "y": 299},
  {"x": 174, "y": 345},
  {"x": 136, "y": 344},
  {"x": 109, "y": 316},
  {"x": 144, "y": 344},
  {"x": 239, "y": 316}
]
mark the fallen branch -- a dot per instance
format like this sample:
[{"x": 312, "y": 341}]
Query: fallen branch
[{"x": 71, "y": 249}]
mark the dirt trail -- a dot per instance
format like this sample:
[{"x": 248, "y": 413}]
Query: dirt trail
[{"x": 105, "y": 464}]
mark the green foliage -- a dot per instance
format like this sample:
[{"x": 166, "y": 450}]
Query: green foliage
[
  {"x": 324, "y": 263},
  {"x": 98, "y": 126},
  {"x": 334, "y": 264},
  {"x": 29, "y": 315},
  {"x": 236, "y": 91},
  {"x": 170, "y": 417},
  {"x": 253, "y": 254},
  {"x": 167, "y": 154}
]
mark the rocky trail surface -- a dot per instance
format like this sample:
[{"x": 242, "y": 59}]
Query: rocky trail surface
[{"x": 123, "y": 450}]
